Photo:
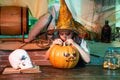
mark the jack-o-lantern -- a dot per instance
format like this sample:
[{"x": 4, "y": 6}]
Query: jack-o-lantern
[{"x": 63, "y": 56}]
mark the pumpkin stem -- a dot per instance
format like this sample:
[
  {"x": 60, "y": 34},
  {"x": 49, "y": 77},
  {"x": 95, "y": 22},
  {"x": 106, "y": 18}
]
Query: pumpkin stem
[{"x": 64, "y": 44}]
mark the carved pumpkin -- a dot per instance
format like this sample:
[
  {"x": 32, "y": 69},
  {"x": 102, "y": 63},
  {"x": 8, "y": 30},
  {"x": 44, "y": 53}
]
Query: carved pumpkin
[{"x": 63, "y": 56}]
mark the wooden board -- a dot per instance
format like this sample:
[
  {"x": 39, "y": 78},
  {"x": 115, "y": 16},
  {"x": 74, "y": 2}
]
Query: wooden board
[{"x": 12, "y": 45}]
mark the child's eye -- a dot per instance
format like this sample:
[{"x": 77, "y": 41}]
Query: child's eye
[
  {"x": 68, "y": 33},
  {"x": 61, "y": 33}
]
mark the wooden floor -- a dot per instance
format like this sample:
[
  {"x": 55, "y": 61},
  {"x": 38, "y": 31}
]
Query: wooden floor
[{"x": 50, "y": 73}]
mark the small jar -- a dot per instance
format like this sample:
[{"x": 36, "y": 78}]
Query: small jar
[{"x": 110, "y": 61}]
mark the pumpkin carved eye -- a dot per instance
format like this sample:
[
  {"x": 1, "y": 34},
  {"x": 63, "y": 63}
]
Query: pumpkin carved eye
[
  {"x": 66, "y": 54},
  {"x": 74, "y": 54}
]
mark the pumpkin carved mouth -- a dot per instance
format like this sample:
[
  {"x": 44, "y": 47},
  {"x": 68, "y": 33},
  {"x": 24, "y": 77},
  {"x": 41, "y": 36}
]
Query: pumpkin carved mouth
[{"x": 70, "y": 60}]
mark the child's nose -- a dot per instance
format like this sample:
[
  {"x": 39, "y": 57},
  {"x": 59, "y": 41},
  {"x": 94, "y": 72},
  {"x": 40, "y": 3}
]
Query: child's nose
[{"x": 65, "y": 34}]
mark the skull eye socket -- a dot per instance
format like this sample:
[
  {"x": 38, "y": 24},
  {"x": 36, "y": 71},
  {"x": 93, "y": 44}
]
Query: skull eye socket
[
  {"x": 23, "y": 57},
  {"x": 74, "y": 54},
  {"x": 66, "y": 54}
]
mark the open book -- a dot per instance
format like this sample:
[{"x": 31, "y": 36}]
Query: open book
[{"x": 10, "y": 70}]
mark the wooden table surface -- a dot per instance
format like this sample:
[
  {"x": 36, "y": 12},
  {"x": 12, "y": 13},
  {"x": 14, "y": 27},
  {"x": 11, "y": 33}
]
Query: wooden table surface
[{"x": 50, "y": 73}]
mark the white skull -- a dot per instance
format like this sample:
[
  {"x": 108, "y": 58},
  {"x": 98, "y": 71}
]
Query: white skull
[{"x": 19, "y": 58}]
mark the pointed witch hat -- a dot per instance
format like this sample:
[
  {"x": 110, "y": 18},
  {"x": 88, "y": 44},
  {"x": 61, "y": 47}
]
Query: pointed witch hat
[{"x": 65, "y": 20}]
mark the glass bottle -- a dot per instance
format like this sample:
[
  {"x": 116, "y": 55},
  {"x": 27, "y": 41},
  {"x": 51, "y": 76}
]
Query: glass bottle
[
  {"x": 106, "y": 33},
  {"x": 110, "y": 61}
]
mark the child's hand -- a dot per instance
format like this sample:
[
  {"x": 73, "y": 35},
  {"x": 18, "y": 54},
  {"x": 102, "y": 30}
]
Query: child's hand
[
  {"x": 58, "y": 41},
  {"x": 69, "y": 42}
]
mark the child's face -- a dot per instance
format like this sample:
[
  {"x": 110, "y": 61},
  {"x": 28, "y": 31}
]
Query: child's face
[{"x": 65, "y": 34}]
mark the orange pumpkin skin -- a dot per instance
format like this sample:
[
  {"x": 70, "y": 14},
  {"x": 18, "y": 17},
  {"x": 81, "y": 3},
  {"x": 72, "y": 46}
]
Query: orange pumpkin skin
[{"x": 64, "y": 56}]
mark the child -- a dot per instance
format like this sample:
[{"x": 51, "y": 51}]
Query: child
[{"x": 68, "y": 33}]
